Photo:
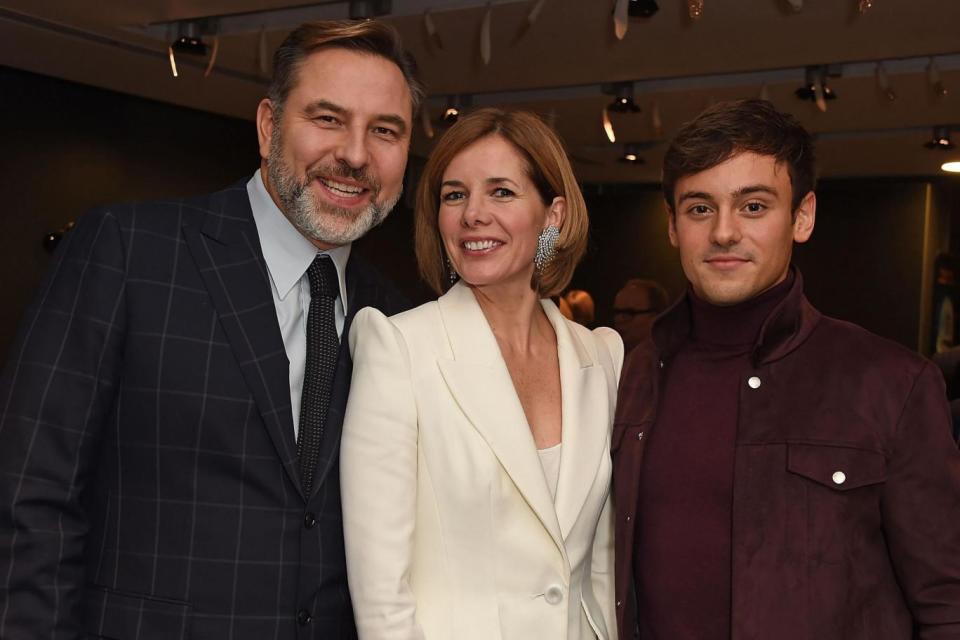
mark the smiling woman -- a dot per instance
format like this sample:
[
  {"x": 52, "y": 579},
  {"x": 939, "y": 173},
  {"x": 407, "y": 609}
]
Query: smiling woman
[{"x": 475, "y": 457}]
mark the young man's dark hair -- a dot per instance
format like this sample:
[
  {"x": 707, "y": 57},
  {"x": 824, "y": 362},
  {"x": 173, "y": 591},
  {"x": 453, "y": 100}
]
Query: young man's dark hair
[{"x": 728, "y": 128}]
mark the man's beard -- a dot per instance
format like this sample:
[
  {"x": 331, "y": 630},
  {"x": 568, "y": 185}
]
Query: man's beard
[{"x": 314, "y": 218}]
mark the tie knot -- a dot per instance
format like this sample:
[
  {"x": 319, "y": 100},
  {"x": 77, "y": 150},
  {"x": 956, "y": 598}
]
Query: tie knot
[{"x": 323, "y": 277}]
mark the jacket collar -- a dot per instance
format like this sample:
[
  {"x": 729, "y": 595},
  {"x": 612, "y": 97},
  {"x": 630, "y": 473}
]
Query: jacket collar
[{"x": 786, "y": 328}]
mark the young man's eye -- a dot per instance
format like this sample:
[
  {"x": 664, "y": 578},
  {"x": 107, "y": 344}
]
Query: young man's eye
[
  {"x": 755, "y": 207},
  {"x": 699, "y": 210}
]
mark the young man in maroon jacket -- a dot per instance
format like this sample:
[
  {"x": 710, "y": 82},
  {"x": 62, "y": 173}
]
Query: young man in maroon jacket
[{"x": 777, "y": 473}]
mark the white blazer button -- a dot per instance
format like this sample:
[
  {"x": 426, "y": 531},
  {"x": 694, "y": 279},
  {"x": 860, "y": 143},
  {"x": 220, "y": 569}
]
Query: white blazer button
[
  {"x": 753, "y": 382},
  {"x": 554, "y": 594},
  {"x": 839, "y": 477}
]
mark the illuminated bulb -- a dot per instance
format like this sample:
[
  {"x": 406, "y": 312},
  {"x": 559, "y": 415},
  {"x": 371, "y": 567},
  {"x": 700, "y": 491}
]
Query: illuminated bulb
[
  {"x": 631, "y": 157},
  {"x": 695, "y": 8},
  {"x": 952, "y": 167},
  {"x": 865, "y": 5}
]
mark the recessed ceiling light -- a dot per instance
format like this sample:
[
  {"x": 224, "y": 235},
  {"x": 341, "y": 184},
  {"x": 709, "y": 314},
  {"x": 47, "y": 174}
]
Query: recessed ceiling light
[{"x": 951, "y": 167}]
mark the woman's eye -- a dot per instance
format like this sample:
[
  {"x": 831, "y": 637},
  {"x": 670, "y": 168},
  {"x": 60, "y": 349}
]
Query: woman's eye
[
  {"x": 452, "y": 196},
  {"x": 502, "y": 192}
]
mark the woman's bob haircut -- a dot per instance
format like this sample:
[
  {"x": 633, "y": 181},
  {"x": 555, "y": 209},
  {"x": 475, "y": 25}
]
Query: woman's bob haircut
[{"x": 547, "y": 167}]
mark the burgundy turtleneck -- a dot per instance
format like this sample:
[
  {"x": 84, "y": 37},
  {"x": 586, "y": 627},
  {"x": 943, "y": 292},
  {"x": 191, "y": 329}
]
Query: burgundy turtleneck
[{"x": 682, "y": 555}]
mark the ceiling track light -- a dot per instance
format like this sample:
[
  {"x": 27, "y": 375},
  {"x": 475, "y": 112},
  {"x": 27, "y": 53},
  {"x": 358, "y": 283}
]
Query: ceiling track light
[
  {"x": 940, "y": 139},
  {"x": 642, "y": 8},
  {"x": 188, "y": 40},
  {"x": 456, "y": 105},
  {"x": 815, "y": 87},
  {"x": 631, "y": 154},
  {"x": 623, "y": 97}
]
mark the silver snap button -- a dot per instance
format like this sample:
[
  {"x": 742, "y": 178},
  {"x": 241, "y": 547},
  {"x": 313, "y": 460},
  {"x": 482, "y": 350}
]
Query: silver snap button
[
  {"x": 640, "y": 436},
  {"x": 839, "y": 477},
  {"x": 554, "y": 594},
  {"x": 661, "y": 364},
  {"x": 753, "y": 382}
]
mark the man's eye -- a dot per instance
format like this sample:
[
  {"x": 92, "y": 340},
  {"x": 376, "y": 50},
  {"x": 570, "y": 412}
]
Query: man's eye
[
  {"x": 699, "y": 209},
  {"x": 755, "y": 207},
  {"x": 384, "y": 131},
  {"x": 325, "y": 119}
]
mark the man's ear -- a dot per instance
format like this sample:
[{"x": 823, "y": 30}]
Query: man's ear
[
  {"x": 672, "y": 225},
  {"x": 265, "y": 125},
  {"x": 804, "y": 218}
]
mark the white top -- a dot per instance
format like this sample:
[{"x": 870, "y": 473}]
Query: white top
[
  {"x": 550, "y": 460},
  {"x": 288, "y": 254}
]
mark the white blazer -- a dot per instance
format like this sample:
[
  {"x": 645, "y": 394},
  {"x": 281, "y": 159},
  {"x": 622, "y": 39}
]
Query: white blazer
[{"x": 451, "y": 533}]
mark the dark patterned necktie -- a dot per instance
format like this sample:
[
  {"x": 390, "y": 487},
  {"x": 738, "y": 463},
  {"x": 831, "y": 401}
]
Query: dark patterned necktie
[{"x": 322, "y": 347}]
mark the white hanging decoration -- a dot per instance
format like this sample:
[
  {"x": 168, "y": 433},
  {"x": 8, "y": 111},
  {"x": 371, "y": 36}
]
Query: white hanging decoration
[
  {"x": 425, "y": 122},
  {"x": 764, "y": 91},
  {"x": 818, "y": 97},
  {"x": 213, "y": 57},
  {"x": 607, "y": 125},
  {"x": 535, "y": 10},
  {"x": 933, "y": 77},
  {"x": 431, "y": 29},
  {"x": 655, "y": 121},
  {"x": 883, "y": 83},
  {"x": 262, "y": 55},
  {"x": 485, "y": 35},
  {"x": 796, "y": 5},
  {"x": 620, "y": 19},
  {"x": 173, "y": 61},
  {"x": 695, "y": 9}
]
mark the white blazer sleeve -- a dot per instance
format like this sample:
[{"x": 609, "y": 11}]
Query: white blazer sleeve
[
  {"x": 602, "y": 562},
  {"x": 378, "y": 475}
]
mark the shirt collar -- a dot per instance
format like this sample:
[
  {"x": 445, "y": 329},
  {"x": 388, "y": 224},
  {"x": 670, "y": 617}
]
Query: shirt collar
[{"x": 287, "y": 252}]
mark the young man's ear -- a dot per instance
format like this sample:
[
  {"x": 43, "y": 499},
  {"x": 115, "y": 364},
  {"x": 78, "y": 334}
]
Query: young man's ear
[
  {"x": 804, "y": 218},
  {"x": 671, "y": 223},
  {"x": 265, "y": 125}
]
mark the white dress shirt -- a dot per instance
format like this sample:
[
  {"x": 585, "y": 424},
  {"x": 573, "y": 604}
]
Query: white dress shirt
[{"x": 288, "y": 254}]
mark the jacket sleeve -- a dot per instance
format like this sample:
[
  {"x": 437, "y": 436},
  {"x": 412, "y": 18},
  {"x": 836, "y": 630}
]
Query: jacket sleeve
[
  {"x": 378, "y": 475},
  {"x": 56, "y": 391},
  {"x": 921, "y": 509},
  {"x": 602, "y": 562}
]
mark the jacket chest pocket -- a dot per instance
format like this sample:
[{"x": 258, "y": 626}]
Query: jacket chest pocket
[{"x": 841, "y": 488}]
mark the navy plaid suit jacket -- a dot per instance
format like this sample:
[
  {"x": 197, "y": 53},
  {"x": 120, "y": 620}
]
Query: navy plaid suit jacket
[{"x": 149, "y": 486}]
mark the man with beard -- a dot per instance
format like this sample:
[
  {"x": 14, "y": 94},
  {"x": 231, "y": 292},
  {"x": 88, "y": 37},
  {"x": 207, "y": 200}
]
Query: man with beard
[
  {"x": 170, "y": 415},
  {"x": 778, "y": 474}
]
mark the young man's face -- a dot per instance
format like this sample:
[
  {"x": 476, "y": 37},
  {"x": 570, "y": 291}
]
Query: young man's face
[{"x": 734, "y": 227}]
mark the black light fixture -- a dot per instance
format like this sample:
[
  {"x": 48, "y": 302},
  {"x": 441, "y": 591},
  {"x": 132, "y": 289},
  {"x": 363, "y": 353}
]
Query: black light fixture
[
  {"x": 940, "y": 140},
  {"x": 456, "y": 104},
  {"x": 189, "y": 41},
  {"x": 642, "y": 8},
  {"x": 815, "y": 76},
  {"x": 369, "y": 9},
  {"x": 631, "y": 154},
  {"x": 623, "y": 98}
]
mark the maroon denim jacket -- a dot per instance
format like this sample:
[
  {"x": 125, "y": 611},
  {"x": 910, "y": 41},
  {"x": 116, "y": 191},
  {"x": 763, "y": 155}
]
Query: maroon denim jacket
[{"x": 846, "y": 490}]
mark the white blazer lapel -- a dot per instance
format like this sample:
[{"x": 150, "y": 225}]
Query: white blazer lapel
[
  {"x": 586, "y": 420},
  {"x": 480, "y": 383}
]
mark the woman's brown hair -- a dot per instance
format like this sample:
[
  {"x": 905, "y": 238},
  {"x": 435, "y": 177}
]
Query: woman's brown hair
[{"x": 547, "y": 167}]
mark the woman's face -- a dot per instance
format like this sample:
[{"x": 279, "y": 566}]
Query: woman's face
[{"x": 491, "y": 214}]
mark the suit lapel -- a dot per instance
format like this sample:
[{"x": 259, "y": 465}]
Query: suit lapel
[
  {"x": 586, "y": 406},
  {"x": 228, "y": 256},
  {"x": 480, "y": 383}
]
